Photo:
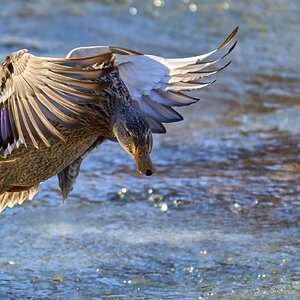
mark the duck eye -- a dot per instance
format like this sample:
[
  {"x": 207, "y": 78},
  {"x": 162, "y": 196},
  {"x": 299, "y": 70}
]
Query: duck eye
[{"x": 128, "y": 133}]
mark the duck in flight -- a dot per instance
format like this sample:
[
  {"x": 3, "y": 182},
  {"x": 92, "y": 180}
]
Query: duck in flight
[{"x": 53, "y": 112}]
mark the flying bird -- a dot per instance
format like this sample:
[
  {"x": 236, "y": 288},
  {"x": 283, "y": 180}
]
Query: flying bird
[{"x": 54, "y": 111}]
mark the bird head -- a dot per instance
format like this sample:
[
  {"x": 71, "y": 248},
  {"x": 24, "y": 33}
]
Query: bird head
[{"x": 133, "y": 133}]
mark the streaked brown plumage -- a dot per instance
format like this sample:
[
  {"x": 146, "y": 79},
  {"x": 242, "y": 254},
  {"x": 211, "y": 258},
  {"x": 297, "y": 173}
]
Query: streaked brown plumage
[{"x": 54, "y": 111}]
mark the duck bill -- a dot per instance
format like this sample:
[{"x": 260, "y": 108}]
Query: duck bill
[{"x": 143, "y": 161}]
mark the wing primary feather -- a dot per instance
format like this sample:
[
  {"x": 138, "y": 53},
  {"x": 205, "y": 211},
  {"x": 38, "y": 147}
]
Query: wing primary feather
[
  {"x": 57, "y": 113},
  {"x": 84, "y": 85},
  {"x": 229, "y": 38},
  {"x": 26, "y": 125},
  {"x": 195, "y": 75},
  {"x": 198, "y": 66},
  {"x": 81, "y": 73},
  {"x": 28, "y": 119},
  {"x": 124, "y": 51},
  {"x": 156, "y": 127},
  {"x": 15, "y": 113},
  {"x": 179, "y": 98},
  {"x": 188, "y": 86},
  {"x": 160, "y": 112},
  {"x": 176, "y": 63},
  {"x": 80, "y": 62},
  {"x": 77, "y": 93},
  {"x": 28, "y": 108},
  {"x": 44, "y": 120},
  {"x": 171, "y": 99},
  {"x": 212, "y": 72},
  {"x": 72, "y": 107}
]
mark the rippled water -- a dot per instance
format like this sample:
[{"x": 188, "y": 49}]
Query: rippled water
[{"x": 220, "y": 219}]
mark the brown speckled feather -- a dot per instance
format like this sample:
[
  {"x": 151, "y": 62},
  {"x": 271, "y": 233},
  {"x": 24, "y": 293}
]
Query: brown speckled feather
[{"x": 35, "y": 91}]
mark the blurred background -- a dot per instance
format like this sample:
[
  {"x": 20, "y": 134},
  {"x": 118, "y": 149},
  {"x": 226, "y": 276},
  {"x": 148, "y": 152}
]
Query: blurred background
[{"x": 220, "y": 219}]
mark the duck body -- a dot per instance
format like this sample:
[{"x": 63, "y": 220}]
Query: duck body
[
  {"x": 49, "y": 161},
  {"x": 55, "y": 111}
]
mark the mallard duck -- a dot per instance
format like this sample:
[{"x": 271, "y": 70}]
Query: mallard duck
[{"x": 53, "y": 112}]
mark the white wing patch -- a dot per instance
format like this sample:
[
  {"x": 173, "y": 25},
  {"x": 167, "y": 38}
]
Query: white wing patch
[{"x": 156, "y": 84}]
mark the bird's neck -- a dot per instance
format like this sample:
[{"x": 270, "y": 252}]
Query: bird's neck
[{"x": 122, "y": 110}]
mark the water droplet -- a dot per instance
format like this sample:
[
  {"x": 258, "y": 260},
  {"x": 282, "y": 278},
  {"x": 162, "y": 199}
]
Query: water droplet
[
  {"x": 155, "y": 198},
  {"x": 164, "y": 207},
  {"x": 193, "y": 7},
  {"x": 178, "y": 203},
  {"x": 189, "y": 269},
  {"x": 11, "y": 262},
  {"x": 122, "y": 192},
  {"x": 225, "y": 5},
  {"x": 284, "y": 262},
  {"x": 127, "y": 281},
  {"x": 133, "y": 10},
  {"x": 236, "y": 208},
  {"x": 158, "y": 3}
]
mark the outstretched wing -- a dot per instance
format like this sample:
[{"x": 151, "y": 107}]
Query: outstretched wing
[
  {"x": 157, "y": 84},
  {"x": 35, "y": 92}
]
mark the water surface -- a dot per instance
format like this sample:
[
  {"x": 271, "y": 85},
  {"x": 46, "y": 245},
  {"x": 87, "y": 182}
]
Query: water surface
[{"x": 220, "y": 219}]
